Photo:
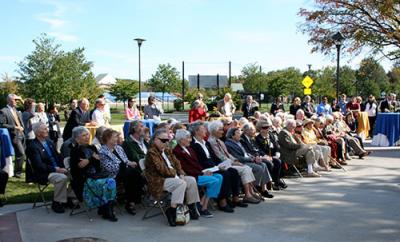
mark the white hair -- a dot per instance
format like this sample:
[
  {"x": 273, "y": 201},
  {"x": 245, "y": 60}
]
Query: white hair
[
  {"x": 290, "y": 123},
  {"x": 37, "y": 126},
  {"x": 243, "y": 120},
  {"x": 276, "y": 120},
  {"x": 181, "y": 134},
  {"x": 214, "y": 126},
  {"x": 78, "y": 131},
  {"x": 329, "y": 117}
]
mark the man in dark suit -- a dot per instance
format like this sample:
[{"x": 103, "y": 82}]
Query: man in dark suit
[
  {"x": 249, "y": 107},
  {"x": 274, "y": 165},
  {"x": 47, "y": 166},
  {"x": 386, "y": 105},
  {"x": 11, "y": 119},
  {"x": 79, "y": 117},
  {"x": 260, "y": 169}
]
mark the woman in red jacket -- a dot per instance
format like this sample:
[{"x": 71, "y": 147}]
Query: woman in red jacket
[{"x": 198, "y": 112}]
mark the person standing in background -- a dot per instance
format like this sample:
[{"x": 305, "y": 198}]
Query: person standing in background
[
  {"x": 11, "y": 119},
  {"x": 371, "y": 107}
]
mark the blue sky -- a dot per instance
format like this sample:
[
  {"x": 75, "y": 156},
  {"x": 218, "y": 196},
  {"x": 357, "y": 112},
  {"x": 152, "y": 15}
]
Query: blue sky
[{"x": 206, "y": 34}]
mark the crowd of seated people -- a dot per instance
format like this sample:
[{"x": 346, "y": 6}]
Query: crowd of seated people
[{"x": 209, "y": 160}]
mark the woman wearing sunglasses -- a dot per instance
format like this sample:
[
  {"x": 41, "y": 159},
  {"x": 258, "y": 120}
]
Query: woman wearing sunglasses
[{"x": 164, "y": 173}]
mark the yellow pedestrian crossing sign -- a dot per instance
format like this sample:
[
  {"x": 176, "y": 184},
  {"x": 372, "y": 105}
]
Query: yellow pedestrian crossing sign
[
  {"x": 307, "y": 91},
  {"x": 307, "y": 82}
]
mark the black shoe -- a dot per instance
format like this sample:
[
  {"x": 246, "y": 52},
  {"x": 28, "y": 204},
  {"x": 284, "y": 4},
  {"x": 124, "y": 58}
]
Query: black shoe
[
  {"x": 227, "y": 209},
  {"x": 171, "y": 216},
  {"x": 100, "y": 210},
  {"x": 240, "y": 204},
  {"x": 282, "y": 185},
  {"x": 276, "y": 187},
  {"x": 18, "y": 175},
  {"x": 57, "y": 207},
  {"x": 71, "y": 204},
  {"x": 109, "y": 213},
  {"x": 267, "y": 194},
  {"x": 251, "y": 200},
  {"x": 130, "y": 209},
  {"x": 194, "y": 214}
]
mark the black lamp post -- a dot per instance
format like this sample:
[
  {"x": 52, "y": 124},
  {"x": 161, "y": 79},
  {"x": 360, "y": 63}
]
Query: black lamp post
[
  {"x": 338, "y": 39},
  {"x": 140, "y": 41}
]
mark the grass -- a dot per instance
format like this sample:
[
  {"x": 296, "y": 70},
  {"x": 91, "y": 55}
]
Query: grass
[{"x": 18, "y": 191}]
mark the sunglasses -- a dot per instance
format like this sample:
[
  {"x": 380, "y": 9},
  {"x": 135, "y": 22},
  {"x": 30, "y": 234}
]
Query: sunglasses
[
  {"x": 164, "y": 140},
  {"x": 265, "y": 127}
]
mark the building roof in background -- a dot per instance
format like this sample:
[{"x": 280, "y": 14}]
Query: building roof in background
[
  {"x": 237, "y": 87},
  {"x": 105, "y": 79}
]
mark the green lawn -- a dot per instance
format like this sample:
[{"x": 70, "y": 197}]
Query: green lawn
[{"x": 18, "y": 191}]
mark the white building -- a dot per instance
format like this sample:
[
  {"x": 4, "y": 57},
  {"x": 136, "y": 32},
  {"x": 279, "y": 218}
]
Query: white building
[{"x": 105, "y": 80}]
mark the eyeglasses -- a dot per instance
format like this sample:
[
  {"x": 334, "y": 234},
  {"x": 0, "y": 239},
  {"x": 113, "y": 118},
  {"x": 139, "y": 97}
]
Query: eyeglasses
[
  {"x": 265, "y": 127},
  {"x": 163, "y": 140}
]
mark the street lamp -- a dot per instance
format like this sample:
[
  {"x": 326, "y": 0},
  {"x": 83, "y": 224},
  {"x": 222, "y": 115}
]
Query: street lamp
[
  {"x": 338, "y": 40},
  {"x": 140, "y": 41}
]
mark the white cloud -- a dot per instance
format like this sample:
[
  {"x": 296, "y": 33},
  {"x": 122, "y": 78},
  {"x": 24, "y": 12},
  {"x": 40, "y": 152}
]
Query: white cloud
[
  {"x": 57, "y": 18},
  {"x": 54, "y": 23},
  {"x": 63, "y": 37}
]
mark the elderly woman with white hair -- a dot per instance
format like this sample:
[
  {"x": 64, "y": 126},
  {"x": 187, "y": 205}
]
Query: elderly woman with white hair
[
  {"x": 191, "y": 165},
  {"x": 216, "y": 132}
]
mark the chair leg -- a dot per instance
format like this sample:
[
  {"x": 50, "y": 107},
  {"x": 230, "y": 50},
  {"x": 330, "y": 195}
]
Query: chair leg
[
  {"x": 41, "y": 195},
  {"x": 297, "y": 171},
  {"x": 85, "y": 210}
]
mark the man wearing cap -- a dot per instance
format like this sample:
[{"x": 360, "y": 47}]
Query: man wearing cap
[{"x": 11, "y": 119}]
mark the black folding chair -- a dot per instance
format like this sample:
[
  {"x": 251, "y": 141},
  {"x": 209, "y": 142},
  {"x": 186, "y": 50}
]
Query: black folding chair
[
  {"x": 41, "y": 187},
  {"x": 150, "y": 203}
]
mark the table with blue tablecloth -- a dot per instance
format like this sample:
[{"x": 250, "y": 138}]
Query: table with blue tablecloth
[
  {"x": 7, "y": 152},
  {"x": 387, "y": 129},
  {"x": 149, "y": 123}
]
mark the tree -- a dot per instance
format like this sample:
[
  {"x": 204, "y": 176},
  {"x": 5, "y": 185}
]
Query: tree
[
  {"x": 364, "y": 23},
  {"x": 54, "y": 76},
  {"x": 325, "y": 81},
  {"x": 394, "y": 79},
  {"x": 371, "y": 78},
  {"x": 254, "y": 78},
  {"x": 7, "y": 86},
  {"x": 124, "y": 89},
  {"x": 166, "y": 79},
  {"x": 285, "y": 82}
]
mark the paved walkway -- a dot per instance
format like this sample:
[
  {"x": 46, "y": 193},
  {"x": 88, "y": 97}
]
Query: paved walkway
[{"x": 362, "y": 204}]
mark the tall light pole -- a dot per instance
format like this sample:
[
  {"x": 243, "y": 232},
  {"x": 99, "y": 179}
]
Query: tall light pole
[
  {"x": 140, "y": 41},
  {"x": 338, "y": 40}
]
